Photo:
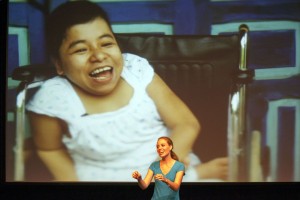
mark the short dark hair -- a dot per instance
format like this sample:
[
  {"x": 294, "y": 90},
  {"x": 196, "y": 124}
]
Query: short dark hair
[{"x": 67, "y": 15}]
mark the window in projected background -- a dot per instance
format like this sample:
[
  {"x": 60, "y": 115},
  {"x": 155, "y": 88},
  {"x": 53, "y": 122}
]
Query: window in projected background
[
  {"x": 286, "y": 32},
  {"x": 18, "y": 40},
  {"x": 273, "y": 50},
  {"x": 143, "y": 28}
]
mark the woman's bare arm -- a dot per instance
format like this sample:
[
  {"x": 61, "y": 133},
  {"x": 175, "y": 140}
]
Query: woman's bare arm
[
  {"x": 173, "y": 185},
  {"x": 143, "y": 183}
]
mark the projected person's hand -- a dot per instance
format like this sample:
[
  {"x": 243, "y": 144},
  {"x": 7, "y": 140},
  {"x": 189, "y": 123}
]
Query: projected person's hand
[{"x": 214, "y": 169}]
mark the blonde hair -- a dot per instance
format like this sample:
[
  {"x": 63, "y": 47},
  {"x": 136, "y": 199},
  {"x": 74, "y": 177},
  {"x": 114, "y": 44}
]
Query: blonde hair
[{"x": 170, "y": 142}]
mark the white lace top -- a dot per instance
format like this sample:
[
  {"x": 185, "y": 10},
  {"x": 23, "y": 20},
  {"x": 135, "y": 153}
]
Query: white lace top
[{"x": 107, "y": 146}]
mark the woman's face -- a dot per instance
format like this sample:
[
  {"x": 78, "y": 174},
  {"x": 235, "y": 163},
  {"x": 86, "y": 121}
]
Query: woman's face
[
  {"x": 163, "y": 148},
  {"x": 90, "y": 57}
]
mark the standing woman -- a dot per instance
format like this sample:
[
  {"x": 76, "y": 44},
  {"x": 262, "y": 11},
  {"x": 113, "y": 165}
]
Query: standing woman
[{"x": 167, "y": 172}]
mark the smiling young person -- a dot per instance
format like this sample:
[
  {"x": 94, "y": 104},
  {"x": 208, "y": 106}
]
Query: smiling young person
[
  {"x": 168, "y": 172},
  {"x": 89, "y": 121}
]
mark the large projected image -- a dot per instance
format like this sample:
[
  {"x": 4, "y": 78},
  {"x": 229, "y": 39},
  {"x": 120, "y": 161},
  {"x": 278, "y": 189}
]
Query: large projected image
[{"x": 87, "y": 101}]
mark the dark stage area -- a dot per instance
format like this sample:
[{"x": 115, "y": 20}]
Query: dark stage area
[{"x": 111, "y": 191}]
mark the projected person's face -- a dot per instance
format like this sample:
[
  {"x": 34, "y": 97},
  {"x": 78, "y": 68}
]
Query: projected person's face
[
  {"x": 90, "y": 57},
  {"x": 163, "y": 148}
]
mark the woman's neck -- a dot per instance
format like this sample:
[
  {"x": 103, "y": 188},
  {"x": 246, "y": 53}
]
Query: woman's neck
[{"x": 167, "y": 159}]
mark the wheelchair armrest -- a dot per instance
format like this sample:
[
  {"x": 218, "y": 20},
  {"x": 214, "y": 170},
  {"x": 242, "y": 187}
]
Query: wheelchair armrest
[{"x": 33, "y": 73}]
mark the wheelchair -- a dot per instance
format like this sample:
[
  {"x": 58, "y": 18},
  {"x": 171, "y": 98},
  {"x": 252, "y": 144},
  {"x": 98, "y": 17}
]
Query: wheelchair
[{"x": 208, "y": 72}]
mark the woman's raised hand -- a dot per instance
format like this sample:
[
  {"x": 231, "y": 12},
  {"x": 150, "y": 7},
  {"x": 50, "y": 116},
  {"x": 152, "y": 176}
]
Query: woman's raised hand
[{"x": 136, "y": 175}]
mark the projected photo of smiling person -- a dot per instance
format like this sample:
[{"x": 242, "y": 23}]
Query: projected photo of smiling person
[{"x": 89, "y": 121}]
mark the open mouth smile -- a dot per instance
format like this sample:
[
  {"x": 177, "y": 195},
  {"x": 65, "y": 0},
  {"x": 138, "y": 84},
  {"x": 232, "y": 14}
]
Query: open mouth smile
[{"x": 102, "y": 73}]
